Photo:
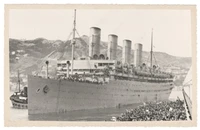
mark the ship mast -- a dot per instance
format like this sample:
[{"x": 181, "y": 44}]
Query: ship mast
[
  {"x": 73, "y": 42},
  {"x": 18, "y": 79},
  {"x": 151, "y": 52}
]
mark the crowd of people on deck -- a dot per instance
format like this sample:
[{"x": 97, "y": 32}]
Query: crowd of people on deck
[
  {"x": 162, "y": 111},
  {"x": 88, "y": 79}
]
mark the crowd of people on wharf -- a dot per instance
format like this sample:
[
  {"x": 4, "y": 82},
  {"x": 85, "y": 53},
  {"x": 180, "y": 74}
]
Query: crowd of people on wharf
[{"x": 162, "y": 111}]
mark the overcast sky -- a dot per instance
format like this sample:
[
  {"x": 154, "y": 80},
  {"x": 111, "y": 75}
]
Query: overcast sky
[{"x": 172, "y": 28}]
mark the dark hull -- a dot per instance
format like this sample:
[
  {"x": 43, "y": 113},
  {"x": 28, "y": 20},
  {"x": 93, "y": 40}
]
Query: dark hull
[
  {"x": 60, "y": 96},
  {"x": 18, "y": 105}
]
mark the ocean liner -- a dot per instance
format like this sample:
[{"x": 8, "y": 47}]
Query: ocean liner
[{"x": 99, "y": 81}]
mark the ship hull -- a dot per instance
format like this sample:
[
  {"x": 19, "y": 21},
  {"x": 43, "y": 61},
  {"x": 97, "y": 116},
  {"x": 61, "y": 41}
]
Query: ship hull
[
  {"x": 19, "y": 105},
  {"x": 60, "y": 96}
]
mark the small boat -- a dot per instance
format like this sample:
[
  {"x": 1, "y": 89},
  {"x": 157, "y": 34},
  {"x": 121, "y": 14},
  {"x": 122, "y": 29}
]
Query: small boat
[{"x": 20, "y": 99}]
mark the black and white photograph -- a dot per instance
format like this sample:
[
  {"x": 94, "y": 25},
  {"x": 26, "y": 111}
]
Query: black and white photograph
[{"x": 101, "y": 63}]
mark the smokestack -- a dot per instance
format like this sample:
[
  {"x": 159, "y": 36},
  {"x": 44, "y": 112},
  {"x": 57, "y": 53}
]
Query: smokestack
[
  {"x": 94, "y": 41},
  {"x": 112, "y": 46},
  {"x": 138, "y": 55},
  {"x": 126, "y": 53}
]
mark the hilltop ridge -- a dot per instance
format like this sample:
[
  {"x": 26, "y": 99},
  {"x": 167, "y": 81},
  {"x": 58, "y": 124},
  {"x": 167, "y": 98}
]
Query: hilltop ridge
[{"x": 33, "y": 52}]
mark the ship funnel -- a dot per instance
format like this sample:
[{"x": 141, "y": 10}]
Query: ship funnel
[
  {"x": 112, "y": 46},
  {"x": 138, "y": 55},
  {"x": 94, "y": 41},
  {"x": 126, "y": 53}
]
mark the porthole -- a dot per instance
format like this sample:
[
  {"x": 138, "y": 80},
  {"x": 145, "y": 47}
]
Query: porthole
[
  {"x": 38, "y": 90},
  {"x": 46, "y": 89}
]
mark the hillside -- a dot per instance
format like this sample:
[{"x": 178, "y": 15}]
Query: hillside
[{"x": 33, "y": 53}]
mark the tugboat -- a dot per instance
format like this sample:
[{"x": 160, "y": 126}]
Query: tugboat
[{"x": 20, "y": 99}]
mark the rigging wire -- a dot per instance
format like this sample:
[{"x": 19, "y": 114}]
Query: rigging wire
[
  {"x": 80, "y": 36},
  {"x": 69, "y": 36},
  {"x": 148, "y": 59},
  {"x": 86, "y": 43},
  {"x": 155, "y": 59},
  {"x": 187, "y": 83}
]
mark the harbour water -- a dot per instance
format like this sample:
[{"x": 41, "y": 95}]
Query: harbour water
[{"x": 82, "y": 115}]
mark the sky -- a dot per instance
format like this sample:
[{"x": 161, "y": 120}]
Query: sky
[{"x": 171, "y": 28}]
